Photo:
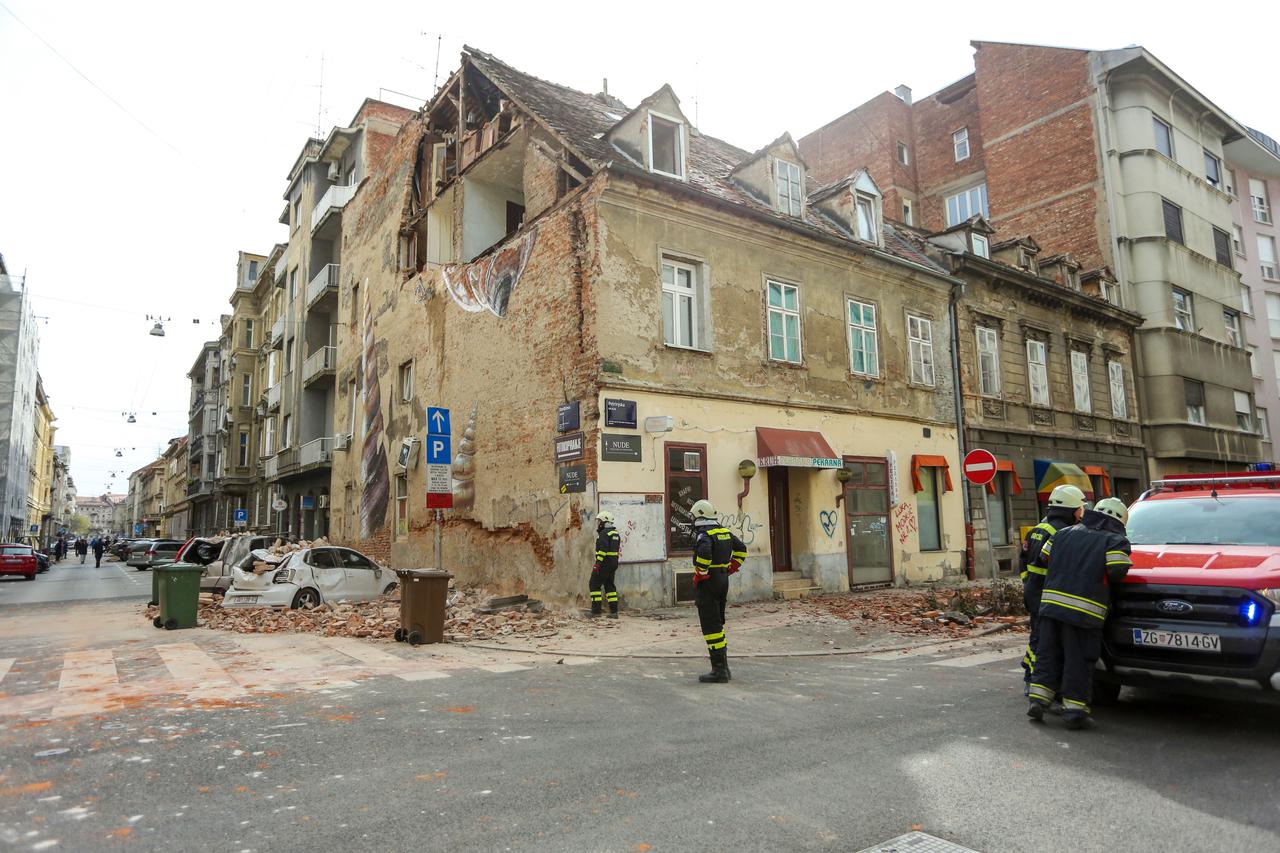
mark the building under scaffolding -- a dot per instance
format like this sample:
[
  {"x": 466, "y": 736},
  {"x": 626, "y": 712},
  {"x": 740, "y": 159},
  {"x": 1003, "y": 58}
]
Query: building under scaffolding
[{"x": 19, "y": 350}]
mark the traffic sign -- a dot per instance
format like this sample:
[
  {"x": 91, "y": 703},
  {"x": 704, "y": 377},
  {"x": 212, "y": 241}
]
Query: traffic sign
[
  {"x": 439, "y": 451},
  {"x": 979, "y": 466},
  {"x": 437, "y": 421},
  {"x": 242, "y": 516}
]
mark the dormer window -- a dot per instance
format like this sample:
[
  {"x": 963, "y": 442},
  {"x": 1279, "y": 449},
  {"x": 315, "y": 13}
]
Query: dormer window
[
  {"x": 789, "y": 187},
  {"x": 866, "y": 219},
  {"x": 981, "y": 246},
  {"x": 666, "y": 146}
]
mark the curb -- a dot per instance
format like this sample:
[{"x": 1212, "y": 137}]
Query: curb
[{"x": 995, "y": 629}]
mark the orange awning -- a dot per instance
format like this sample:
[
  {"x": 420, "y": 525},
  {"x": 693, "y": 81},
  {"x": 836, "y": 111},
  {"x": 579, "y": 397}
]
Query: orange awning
[
  {"x": 794, "y": 448},
  {"x": 921, "y": 460},
  {"x": 1099, "y": 471},
  {"x": 1006, "y": 465}
]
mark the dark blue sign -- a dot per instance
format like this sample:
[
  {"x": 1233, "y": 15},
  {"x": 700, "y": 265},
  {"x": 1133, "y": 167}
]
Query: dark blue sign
[
  {"x": 439, "y": 449},
  {"x": 437, "y": 421},
  {"x": 567, "y": 417},
  {"x": 242, "y": 515},
  {"x": 620, "y": 413}
]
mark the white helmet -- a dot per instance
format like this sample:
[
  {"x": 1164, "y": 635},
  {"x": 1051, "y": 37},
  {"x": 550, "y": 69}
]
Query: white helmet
[
  {"x": 1067, "y": 496},
  {"x": 605, "y": 517},
  {"x": 1113, "y": 507},
  {"x": 703, "y": 509}
]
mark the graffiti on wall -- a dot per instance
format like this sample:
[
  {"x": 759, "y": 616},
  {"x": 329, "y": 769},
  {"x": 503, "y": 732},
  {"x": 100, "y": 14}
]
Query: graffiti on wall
[
  {"x": 373, "y": 458},
  {"x": 904, "y": 522},
  {"x": 828, "y": 519},
  {"x": 743, "y": 525},
  {"x": 487, "y": 284},
  {"x": 464, "y": 466}
]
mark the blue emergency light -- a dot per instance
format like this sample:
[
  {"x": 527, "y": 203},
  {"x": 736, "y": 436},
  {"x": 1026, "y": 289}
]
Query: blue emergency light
[{"x": 1249, "y": 612}]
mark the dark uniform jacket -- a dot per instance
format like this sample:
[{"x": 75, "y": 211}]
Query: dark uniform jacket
[
  {"x": 1083, "y": 561},
  {"x": 715, "y": 548},
  {"x": 1031, "y": 573},
  {"x": 607, "y": 548}
]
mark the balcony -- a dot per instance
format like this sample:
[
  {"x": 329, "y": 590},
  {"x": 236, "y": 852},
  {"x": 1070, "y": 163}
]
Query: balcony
[
  {"x": 319, "y": 366},
  {"x": 277, "y": 334},
  {"x": 327, "y": 214},
  {"x": 197, "y": 488},
  {"x": 273, "y": 397},
  {"x": 317, "y": 452},
  {"x": 324, "y": 284},
  {"x": 271, "y": 467}
]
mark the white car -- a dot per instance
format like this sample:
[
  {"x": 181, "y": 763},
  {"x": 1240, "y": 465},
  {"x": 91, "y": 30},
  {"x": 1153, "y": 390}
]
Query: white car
[{"x": 307, "y": 578}]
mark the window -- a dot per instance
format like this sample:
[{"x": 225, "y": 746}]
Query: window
[
  {"x": 960, "y": 143},
  {"x": 1231, "y": 182},
  {"x": 998, "y": 510},
  {"x": 297, "y": 211},
  {"x": 273, "y": 368},
  {"x": 1182, "y": 317},
  {"x": 686, "y": 485},
  {"x": 1119, "y": 404},
  {"x": 787, "y": 175},
  {"x": 866, "y": 220},
  {"x": 1111, "y": 292},
  {"x": 903, "y": 155},
  {"x": 402, "y": 507},
  {"x": 681, "y": 312},
  {"x": 928, "y": 510},
  {"x": 1213, "y": 170},
  {"x": 863, "y": 339},
  {"x": 1164, "y": 137},
  {"x": 288, "y": 356},
  {"x": 988, "y": 361},
  {"x": 354, "y": 394},
  {"x": 248, "y": 334},
  {"x": 1231, "y": 327},
  {"x": 1237, "y": 240},
  {"x": 1222, "y": 247},
  {"x": 406, "y": 381},
  {"x": 246, "y": 390},
  {"x": 1273, "y": 315},
  {"x": 293, "y": 283},
  {"x": 253, "y": 271},
  {"x": 1172, "y": 221},
  {"x": 1246, "y": 299},
  {"x": 906, "y": 212},
  {"x": 1253, "y": 362},
  {"x": 1264, "y": 428},
  {"x": 1244, "y": 412},
  {"x": 1080, "y": 381},
  {"x": 666, "y": 146},
  {"x": 1258, "y": 199},
  {"x": 920, "y": 349},
  {"x": 1275, "y": 361},
  {"x": 269, "y": 437},
  {"x": 1194, "y": 394},
  {"x": 981, "y": 246},
  {"x": 784, "y": 322},
  {"x": 967, "y": 203},
  {"x": 285, "y": 431},
  {"x": 1267, "y": 256},
  {"x": 243, "y": 455},
  {"x": 1038, "y": 372}
]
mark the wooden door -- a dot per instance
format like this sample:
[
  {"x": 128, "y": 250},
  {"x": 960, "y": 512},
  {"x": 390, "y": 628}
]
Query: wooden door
[
  {"x": 866, "y": 515},
  {"x": 780, "y": 519}
]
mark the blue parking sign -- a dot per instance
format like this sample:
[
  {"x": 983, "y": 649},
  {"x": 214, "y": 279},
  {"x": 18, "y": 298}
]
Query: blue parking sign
[
  {"x": 438, "y": 449},
  {"x": 242, "y": 515}
]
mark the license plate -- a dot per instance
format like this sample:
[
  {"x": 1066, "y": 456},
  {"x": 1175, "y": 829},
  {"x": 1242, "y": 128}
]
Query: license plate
[
  {"x": 246, "y": 599},
  {"x": 1178, "y": 640}
]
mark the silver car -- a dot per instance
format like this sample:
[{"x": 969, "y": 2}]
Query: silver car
[{"x": 149, "y": 553}]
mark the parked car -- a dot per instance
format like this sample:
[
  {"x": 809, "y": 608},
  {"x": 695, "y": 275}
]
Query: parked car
[
  {"x": 307, "y": 578},
  {"x": 42, "y": 559},
  {"x": 149, "y": 553},
  {"x": 1199, "y": 609},
  {"x": 121, "y": 548},
  {"x": 18, "y": 559},
  {"x": 218, "y": 553}
]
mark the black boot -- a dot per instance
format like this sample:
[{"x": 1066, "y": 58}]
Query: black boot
[
  {"x": 596, "y": 608},
  {"x": 719, "y": 673},
  {"x": 613, "y": 610}
]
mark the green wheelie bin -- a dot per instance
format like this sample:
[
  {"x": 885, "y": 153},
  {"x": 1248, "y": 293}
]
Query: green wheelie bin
[{"x": 179, "y": 595}]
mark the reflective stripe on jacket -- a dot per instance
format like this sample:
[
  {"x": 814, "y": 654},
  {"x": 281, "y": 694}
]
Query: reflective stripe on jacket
[
  {"x": 1083, "y": 561},
  {"x": 715, "y": 548},
  {"x": 607, "y": 548}
]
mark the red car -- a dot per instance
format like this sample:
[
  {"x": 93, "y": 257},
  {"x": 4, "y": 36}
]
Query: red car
[
  {"x": 1200, "y": 609},
  {"x": 18, "y": 560}
]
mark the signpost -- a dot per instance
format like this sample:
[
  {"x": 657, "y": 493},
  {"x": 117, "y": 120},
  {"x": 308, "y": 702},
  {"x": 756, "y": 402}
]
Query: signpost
[
  {"x": 439, "y": 471},
  {"x": 569, "y": 447},
  {"x": 242, "y": 517},
  {"x": 979, "y": 468},
  {"x": 618, "y": 447},
  {"x": 568, "y": 417},
  {"x": 573, "y": 478},
  {"x": 620, "y": 413}
]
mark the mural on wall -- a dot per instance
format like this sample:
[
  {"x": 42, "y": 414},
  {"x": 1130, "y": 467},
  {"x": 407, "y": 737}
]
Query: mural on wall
[
  {"x": 373, "y": 458},
  {"x": 486, "y": 284},
  {"x": 464, "y": 466}
]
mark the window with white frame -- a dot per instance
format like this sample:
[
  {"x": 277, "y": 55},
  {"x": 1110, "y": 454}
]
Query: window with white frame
[
  {"x": 1264, "y": 428},
  {"x": 864, "y": 358},
  {"x": 920, "y": 349},
  {"x": 286, "y": 431},
  {"x": 1213, "y": 170},
  {"x": 1231, "y": 183},
  {"x": 1111, "y": 292},
  {"x": 906, "y": 211},
  {"x": 666, "y": 146},
  {"x": 1244, "y": 412},
  {"x": 784, "y": 321},
  {"x": 246, "y": 390},
  {"x": 1119, "y": 403},
  {"x": 960, "y": 144},
  {"x": 1273, "y": 314},
  {"x": 1237, "y": 240},
  {"x": 1259, "y": 201},
  {"x": 866, "y": 212},
  {"x": 967, "y": 203},
  {"x": 1253, "y": 362},
  {"x": 1080, "y": 381},
  {"x": 353, "y": 391},
  {"x": 406, "y": 380},
  {"x": 1246, "y": 299},
  {"x": 1164, "y": 136},
  {"x": 269, "y": 437},
  {"x": 248, "y": 334},
  {"x": 904, "y": 156},
  {"x": 981, "y": 246},
  {"x": 787, "y": 175},
  {"x": 1231, "y": 327},
  {"x": 1038, "y": 371},
  {"x": 1267, "y": 256},
  {"x": 988, "y": 361},
  {"x": 1193, "y": 392},
  {"x": 1182, "y": 311},
  {"x": 402, "y": 506},
  {"x": 243, "y": 448},
  {"x": 681, "y": 305}
]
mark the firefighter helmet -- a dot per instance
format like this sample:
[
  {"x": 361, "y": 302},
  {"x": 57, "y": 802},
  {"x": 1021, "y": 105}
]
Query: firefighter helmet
[
  {"x": 605, "y": 517},
  {"x": 1067, "y": 496},
  {"x": 1113, "y": 507},
  {"x": 703, "y": 509}
]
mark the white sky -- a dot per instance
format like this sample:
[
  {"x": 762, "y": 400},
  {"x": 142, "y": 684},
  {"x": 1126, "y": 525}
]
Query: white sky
[{"x": 113, "y": 222}]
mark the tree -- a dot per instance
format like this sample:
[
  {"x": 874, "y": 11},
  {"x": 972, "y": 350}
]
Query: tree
[{"x": 79, "y": 524}]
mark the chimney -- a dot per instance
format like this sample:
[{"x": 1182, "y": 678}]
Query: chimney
[
  {"x": 606, "y": 85},
  {"x": 904, "y": 92}
]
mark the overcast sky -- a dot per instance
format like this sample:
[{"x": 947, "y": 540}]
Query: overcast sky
[{"x": 130, "y": 186}]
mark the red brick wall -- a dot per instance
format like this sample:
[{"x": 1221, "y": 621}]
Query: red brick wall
[{"x": 935, "y": 119}]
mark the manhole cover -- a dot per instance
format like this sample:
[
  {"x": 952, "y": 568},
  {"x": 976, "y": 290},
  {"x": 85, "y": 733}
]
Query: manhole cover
[{"x": 917, "y": 842}]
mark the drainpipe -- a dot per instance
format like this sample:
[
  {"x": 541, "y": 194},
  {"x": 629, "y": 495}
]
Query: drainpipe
[{"x": 957, "y": 290}]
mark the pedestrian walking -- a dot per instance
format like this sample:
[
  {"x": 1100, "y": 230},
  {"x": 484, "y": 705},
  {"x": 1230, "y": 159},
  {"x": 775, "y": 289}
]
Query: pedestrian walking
[
  {"x": 82, "y": 548},
  {"x": 1084, "y": 561},
  {"x": 59, "y": 549},
  {"x": 601, "y": 585},
  {"x": 717, "y": 554},
  {"x": 1066, "y": 507},
  {"x": 99, "y": 545}
]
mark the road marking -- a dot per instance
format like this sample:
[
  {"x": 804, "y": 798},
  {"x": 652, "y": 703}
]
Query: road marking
[
  {"x": 977, "y": 660},
  {"x": 88, "y": 669},
  {"x": 364, "y": 651},
  {"x": 916, "y": 652},
  {"x": 5, "y": 665},
  {"x": 284, "y": 660},
  {"x": 186, "y": 662},
  {"x": 421, "y": 675}
]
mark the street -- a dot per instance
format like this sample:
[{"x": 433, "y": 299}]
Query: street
[
  {"x": 114, "y": 734},
  {"x": 69, "y": 580}
]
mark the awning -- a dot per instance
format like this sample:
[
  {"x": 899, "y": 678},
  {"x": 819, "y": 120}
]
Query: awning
[
  {"x": 921, "y": 460},
  {"x": 1006, "y": 465},
  {"x": 1099, "y": 471},
  {"x": 794, "y": 448},
  {"x": 1050, "y": 475}
]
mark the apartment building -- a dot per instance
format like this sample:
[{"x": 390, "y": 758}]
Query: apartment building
[
  {"x": 1109, "y": 156},
  {"x": 203, "y": 448},
  {"x": 19, "y": 354},
  {"x": 175, "y": 505},
  {"x": 40, "y": 491},
  {"x": 1252, "y": 179},
  {"x": 64, "y": 490},
  {"x": 625, "y": 313}
]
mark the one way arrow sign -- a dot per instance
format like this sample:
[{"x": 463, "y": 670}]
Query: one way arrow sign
[{"x": 438, "y": 421}]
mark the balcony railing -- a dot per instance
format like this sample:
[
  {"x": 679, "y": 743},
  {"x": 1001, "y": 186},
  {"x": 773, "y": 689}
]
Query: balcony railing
[
  {"x": 319, "y": 362},
  {"x": 319, "y": 451},
  {"x": 273, "y": 397},
  {"x": 277, "y": 332},
  {"x": 334, "y": 197},
  {"x": 326, "y": 281},
  {"x": 271, "y": 467}
]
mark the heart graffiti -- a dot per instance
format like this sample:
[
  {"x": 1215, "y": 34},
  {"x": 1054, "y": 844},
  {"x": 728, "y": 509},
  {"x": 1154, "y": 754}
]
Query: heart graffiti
[{"x": 828, "y": 519}]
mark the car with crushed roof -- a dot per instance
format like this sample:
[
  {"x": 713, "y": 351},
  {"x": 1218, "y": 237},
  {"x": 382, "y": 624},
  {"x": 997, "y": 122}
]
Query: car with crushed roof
[{"x": 307, "y": 577}]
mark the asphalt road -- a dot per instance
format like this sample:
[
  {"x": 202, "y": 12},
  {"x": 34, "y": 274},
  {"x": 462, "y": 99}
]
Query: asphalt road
[
  {"x": 835, "y": 753},
  {"x": 70, "y": 580}
]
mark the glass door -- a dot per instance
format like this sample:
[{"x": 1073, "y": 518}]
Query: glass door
[{"x": 866, "y": 512}]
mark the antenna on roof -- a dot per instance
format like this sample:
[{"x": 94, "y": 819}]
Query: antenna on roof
[
  {"x": 435, "y": 81},
  {"x": 320, "y": 101},
  {"x": 695, "y": 94}
]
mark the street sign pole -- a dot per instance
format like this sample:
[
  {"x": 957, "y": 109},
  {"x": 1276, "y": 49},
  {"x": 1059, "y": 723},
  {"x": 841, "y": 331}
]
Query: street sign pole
[
  {"x": 440, "y": 539},
  {"x": 439, "y": 472},
  {"x": 979, "y": 467}
]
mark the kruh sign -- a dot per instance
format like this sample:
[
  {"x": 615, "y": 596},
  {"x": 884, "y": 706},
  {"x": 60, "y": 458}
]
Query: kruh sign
[{"x": 794, "y": 448}]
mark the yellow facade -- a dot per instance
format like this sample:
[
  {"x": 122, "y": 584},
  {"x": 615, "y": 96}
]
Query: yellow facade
[{"x": 40, "y": 490}]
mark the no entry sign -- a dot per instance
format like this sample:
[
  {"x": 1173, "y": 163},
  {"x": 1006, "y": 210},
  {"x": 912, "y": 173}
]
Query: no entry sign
[{"x": 979, "y": 466}]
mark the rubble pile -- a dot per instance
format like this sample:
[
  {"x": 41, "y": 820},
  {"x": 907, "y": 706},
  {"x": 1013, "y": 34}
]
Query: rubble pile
[{"x": 945, "y": 611}]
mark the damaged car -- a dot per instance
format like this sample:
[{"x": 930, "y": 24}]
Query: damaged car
[{"x": 306, "y": 578}]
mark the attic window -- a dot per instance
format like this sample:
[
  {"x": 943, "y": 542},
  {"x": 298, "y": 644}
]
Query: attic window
[
  {"x": 666, "y": 146},
  {"x": 789, "y": 188},
  {"x": 866, "y": 219},
  {"x": 981, "y": 247}
]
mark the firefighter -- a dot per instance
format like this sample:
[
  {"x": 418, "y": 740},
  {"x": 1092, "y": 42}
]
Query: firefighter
[
  {"x": 606, "y": 566},
  {"x": 1084, "y": 560},
  {"x": 1066, "y": 507},
  {"x": 717, "y": 555}
]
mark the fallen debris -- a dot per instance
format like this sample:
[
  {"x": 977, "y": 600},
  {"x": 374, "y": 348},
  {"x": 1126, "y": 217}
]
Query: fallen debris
[{"x": 947, "y": 611}]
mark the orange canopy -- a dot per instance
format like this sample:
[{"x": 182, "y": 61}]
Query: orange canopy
[
  {"x": 1006, "y": 465},
  {"x": 921, "y": 460}
]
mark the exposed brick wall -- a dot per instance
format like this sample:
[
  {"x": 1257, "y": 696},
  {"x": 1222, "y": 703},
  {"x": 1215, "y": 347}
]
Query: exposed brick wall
[{"x": 934, "y": 119}]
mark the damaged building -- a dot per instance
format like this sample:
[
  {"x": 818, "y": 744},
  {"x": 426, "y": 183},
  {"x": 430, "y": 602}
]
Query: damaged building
[{"x": 624, "y": 313}]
